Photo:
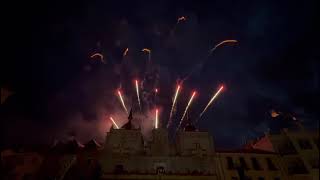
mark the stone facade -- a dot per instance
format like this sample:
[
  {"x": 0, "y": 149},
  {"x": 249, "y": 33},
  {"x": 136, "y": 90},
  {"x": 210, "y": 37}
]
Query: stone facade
[{"x": 125, "y": 153}]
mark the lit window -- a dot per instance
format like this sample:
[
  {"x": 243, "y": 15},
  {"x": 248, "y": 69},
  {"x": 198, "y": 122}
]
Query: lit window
[
  {"x": 230, "y": 163},
  {"x": 296, "y": 166}
]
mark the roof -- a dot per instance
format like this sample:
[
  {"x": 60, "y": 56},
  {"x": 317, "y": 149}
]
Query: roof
[
  {"x": 71, "y": 146},
  {"x": 245, "y": 151},
  {"x": 190, "y": 127},
  {"x": 128, "y": 125},
  {"x": 92, "y": 145}
]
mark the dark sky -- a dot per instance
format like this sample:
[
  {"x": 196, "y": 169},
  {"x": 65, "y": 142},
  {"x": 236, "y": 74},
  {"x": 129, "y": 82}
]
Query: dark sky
[{"x": 274, "y": 65}]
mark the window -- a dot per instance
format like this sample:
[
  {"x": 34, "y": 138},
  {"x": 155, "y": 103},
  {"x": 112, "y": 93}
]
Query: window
[
  {"x": 118, "y": 169},
  {"x": 314, "y": 162},
  {"x": 230, "y": 163},
  {"x": 287, "y": 148},
  {"x": 270, "y": 164},
  {"x": 255, "y": 164},
  {"x": 160, "y": 170},
  {"x": 243, "y": 164},
  {"x": 316, "y": 141},
  {"x": 304, "y": 144},
  {"x": 260, "y": 178},
  {"x": 296, "y": 166}
]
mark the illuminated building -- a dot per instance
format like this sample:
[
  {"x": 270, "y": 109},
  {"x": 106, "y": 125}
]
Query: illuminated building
[{"x": 126, "y": 154}]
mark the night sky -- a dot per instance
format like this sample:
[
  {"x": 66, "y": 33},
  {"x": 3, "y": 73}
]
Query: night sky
[{"x": 59, "y": 89}]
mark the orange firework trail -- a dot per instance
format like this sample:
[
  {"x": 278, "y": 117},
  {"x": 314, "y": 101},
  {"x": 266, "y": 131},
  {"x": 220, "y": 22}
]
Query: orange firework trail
[
  {"x": 98, "y": 55},
  {"x": 187, "y": 107},
  {"x": 173, "y": 104},
  {"x": 125, "y": 52},
  {"x": 211, "y": 100},
  {"x": 114, "y": 123},
  {"x": 137, "y": 90},
  {"x": 156, "y": 119},
  {"x": 122, "y": 102},
  {"x": 222, "y": 42},
  {"x": 182, "y": 18},
  {"x": 147, "y": 51}
]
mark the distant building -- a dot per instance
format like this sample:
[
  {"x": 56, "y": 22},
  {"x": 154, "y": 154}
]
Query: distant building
[
  {"x": 19, "y": 164},
  {"x": 298, "y": 149}
]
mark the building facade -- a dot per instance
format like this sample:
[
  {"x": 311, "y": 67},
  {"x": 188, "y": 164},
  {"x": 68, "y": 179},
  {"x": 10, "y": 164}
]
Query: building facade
[{"x": 125, "y": 154}]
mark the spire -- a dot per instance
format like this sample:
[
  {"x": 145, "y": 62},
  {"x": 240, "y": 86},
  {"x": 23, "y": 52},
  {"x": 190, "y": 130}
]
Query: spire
[
  {"x": 189, "y": 126},
  {"x": 128, "y": 125},
  {"x": 130, "y": 116}
]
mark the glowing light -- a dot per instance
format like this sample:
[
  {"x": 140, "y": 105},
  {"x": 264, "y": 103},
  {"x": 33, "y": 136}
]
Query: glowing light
[
  {"x": 122, "y": 102},
  {"x": 98, "y": 55},
  {"x": 156, "y": 90},
  {"x": 114, "y": 123},
  {"x": 157, "y": 119},
  {"x": 137, "y": 90},
  {"x": 125, "y": 52},
  {"x": 173, "y": 104},
  {"x": 147, "y": 51},
  {"x": 222, "y": 42},
  {"x": 187, "y": 107},
  {"x": 211, "y": 100},
  {"x": 182, "y": 18}
]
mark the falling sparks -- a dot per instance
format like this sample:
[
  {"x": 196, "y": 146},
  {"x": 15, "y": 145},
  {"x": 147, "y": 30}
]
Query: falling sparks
[
  {"x": 125, "y": 52},
  {"x": 137, "y": 91},
  {"x": 173, "y": 104},
  {"x": 114, "y": 123},
  {"x": 122, "y": 102},
  {"x": 147, "y": 51},
  {"x": 156, "y": 119},
  {"x": 222, "y": 42},
  {"x": 155, "y": 93},
  {"x": 211, "y": 100},
  {"x": 98, "y": 55},
  {"x": 187, "y": 107},
  {"x": 182, "y": 18}
]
